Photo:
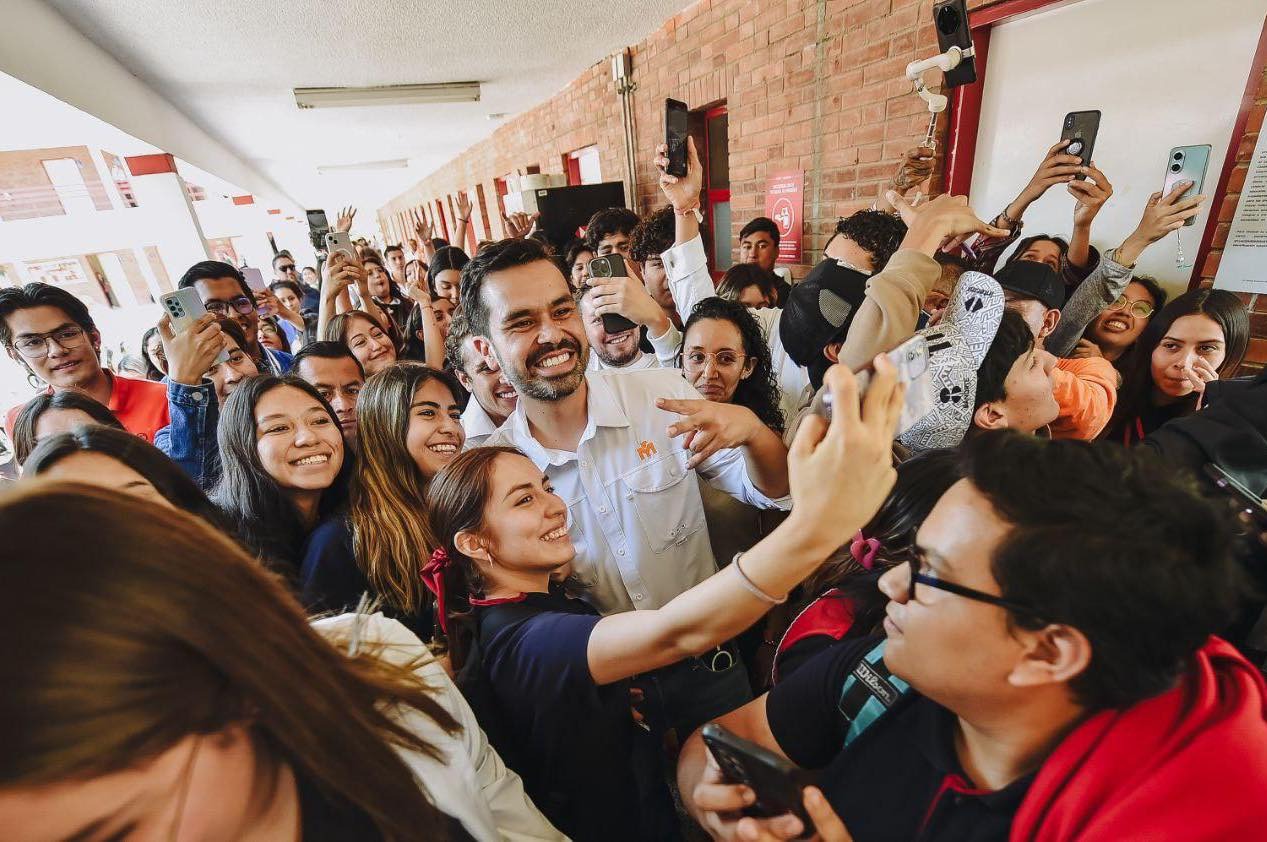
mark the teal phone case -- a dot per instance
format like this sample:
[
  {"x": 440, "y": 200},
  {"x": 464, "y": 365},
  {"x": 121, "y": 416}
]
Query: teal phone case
[{"x": 1187, "y": 163}]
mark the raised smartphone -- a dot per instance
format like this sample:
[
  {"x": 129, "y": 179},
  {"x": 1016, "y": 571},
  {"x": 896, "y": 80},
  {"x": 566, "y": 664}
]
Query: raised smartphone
[
  {"x": 185, "y": 307},
  {"x": 1080, "y": 129},
  {"x": 340, "y": 241},
  {"x": 950, "y": 17},
  {"x": 1187, "y": 163},
  {"x": 776, "y": 782},
  {"x": 676, "y": 129},
  {"x": 911, "y": 360},
  {"x": 611, "y": 266},
  {"x": 317, "y": 222},
  {"x": 254, "y": 279}
]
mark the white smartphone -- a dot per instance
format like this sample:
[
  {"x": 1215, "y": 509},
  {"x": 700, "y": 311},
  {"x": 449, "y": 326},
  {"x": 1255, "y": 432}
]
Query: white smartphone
[
  {"x": 340, "y": 241},
  {"x": 185, "y": 307},
  {"x": 911, "y": 360}
]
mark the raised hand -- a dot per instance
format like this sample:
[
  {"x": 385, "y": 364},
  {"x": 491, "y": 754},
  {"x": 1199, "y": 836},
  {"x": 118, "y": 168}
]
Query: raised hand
[
  {"x": 629, "y": 298},
  {"x": 344, "y": 221},
  {"x": 1162, "y": 215},
  {"x": 518, "y": 224},
  {"x": 1057, "y": 167},
  {"x": 464, "y": 206},
  {"x": 192, "y": 352},
  {"x": 682, "y": 191},
  {"x": 915, "y": 168},
  {"x": 423, "y": 229},
  {"x": 931, "y": 223},
  {"x": 1091, "y": 194}
]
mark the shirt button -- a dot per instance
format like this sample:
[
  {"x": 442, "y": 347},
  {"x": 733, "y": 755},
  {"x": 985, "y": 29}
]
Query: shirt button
[
  {"x": 196, "y": 397},
  {"x": 638, "y": 597},
  {"x": 602, "y": 510},
  {"x": 584, "y": 464},
  {"x": 620, "y": 551}
]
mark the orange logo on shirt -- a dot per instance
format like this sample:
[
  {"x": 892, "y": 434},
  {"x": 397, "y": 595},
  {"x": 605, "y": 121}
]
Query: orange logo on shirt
[{"x": 646, "y": 450}]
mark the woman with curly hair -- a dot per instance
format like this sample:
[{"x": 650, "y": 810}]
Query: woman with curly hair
[{"x": 726, "y": 358}]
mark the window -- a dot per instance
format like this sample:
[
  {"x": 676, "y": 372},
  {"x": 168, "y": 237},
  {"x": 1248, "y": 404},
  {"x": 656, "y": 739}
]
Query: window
[
  {"x": 712, "y": 124},
  {"x": 583, "y": 167},
  {"x": 67, "y": 179}
]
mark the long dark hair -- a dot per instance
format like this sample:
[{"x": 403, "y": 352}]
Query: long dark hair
[
  {"x": 921, "y": 482},
  {"x": 1136, "y": 395},
  {"x": 156, "y": 628},
  {"x": 758, "y": 391},
  {"x": 24, "y": 440},
  {"x": 455, "y": 503},
  {"x": 176, "y": 486},
  {"x": 1023, "y": 246},
  {"x": 449, "y": 257},
  {"x": 152, "y": 371},
  {"x": 256, "y": 506},
  {"x": 743, "y": 275}
]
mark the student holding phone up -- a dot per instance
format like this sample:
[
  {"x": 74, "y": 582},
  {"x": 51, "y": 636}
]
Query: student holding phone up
[{"x": 546, "y": 674}]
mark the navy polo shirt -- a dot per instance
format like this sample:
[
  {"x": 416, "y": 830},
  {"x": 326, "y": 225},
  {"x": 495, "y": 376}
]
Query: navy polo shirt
[
  {"x": 571, "y": 740},
  {"x": 901, "y": 778}
]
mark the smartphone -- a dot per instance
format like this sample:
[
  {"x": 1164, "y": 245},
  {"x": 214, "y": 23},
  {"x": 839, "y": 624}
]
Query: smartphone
[
  {"x": 911, "y": 360},
  {"x": 1080, "y": 129},
  {"x": 950, "y": 17},
  {"x": 185, "y": 307},
  {"x": 254, "y": 279},
  {"x": 1246, "y": 501},
  {"x": 611, "y": 266},
  {"x": 776, "y": 782},
  {"x": 676, "y": 130},
  {"x": 340, "y": 241},
  {"x": 317, "y": 222},
  {"x": 1187, "y": 163}
]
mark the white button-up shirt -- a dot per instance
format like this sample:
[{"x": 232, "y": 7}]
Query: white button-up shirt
[
  {"x": 689, "y": 281},
  {"x": 635, "y": 512},
  {"x": 476, "y": 424}
]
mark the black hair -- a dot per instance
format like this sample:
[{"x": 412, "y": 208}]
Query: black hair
[
  {"x": 325, "y": 350},
  {"x": 234, "y": 331},
  {"x": 37, "y": 294},
  {"x": 176, "y": 486},
  {"x": 573, "y": 251},
  {"x": 1023, "y": 246},
  {"x": 878, "y": 232},
  {"x": 276, "y": 258},
  {"x": 609, "y": 221},
  {"x": 761, "y": 224},
  {"x": 152, "y": 371},
  {"x": 211, "y": 270},
  {"x": 1154, "y": 288},
  {"x": 256, "y": 506},
  {"x": 438, "y": 243},
  {"x": 459, "y": 331},
  {"x": 653, "y": 236},
  {"x": 1013, "y": 340},
  {"x": 392, "y": 248},
  {"x": 293, "y": 286},
  {"x": 449, "y": 257},
  {"x": 955, "y": 259},
  {"x": 24, "y": 440},
  {"x": 921, "y": 481},
  {"x": 502, "y": 255},
  {"x": 759, "y": 392},
  {"x": 1135, "y": 396},
  {"x": 1116, "y": 543},
  {"x": 743, "y": 275}
]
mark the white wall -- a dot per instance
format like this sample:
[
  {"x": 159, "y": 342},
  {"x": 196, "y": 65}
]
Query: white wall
[{"x": 1163, "y": 73}]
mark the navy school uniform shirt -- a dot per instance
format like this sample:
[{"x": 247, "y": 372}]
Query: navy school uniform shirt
[
  {"x": 571, "y": 740},
  {"x": 330, "y": 580},
  {"x": 898, "y": 780}
]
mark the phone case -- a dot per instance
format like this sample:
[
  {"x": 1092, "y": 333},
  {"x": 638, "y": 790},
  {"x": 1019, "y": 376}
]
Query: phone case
[
  {"x": 254, "y": 279},
  {"x": 185, "y": 307},
  {"x": 676, "y": 129},
  {"x": 611, "y": 266},
  {"x": 1187, "y": 163},
  {"x": 776, "y": 782},
  {"x": 339, "y": 241},
  {"x": 1081, "y": 127}
]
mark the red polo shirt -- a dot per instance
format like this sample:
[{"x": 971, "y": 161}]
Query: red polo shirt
[{"x": 140, "y": 406}]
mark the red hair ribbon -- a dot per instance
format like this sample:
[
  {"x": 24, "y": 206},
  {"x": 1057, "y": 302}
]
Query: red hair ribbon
[
  {"x": 864, "y": 550},
  {"x": 433, "y": 578}
]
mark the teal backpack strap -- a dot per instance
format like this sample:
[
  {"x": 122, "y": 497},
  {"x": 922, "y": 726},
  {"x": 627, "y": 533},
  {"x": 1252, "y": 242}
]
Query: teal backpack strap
[{"x": 868, "y": 692}]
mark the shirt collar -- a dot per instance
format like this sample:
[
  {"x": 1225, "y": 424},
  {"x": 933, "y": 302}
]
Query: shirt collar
[
  {"x": 601, "y": 408},
  {"x": 476, "y": 421}
]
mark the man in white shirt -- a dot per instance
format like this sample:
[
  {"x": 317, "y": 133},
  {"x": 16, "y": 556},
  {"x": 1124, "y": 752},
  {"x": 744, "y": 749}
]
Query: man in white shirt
[
  {"x": 616, "y": 451},
  {"x": 622, "y": 350},
  {"x": 492, "y": 398}
]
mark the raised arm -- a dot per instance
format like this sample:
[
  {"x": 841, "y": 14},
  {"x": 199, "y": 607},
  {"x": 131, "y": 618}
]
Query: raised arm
[
  {"x": 840, "y": 474},
  {"x": 464, "y": 219},
  {"x": 190, "y": 439},
  {"x": 912, "y": 171},
  {"x": 432, "y": 338},
  {"x": 337, "y": 275},
  {"x": 1090, "y": 194}
]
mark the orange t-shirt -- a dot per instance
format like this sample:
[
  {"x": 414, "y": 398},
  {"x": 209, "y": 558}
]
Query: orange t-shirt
[
  {"x": 1086, "y": 391},
  {"x": 140, "y": 406}
]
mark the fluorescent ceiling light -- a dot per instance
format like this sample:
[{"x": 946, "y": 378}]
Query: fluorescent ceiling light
[
  {"x": 387, "y": 95},
  {"x": 398, "y": 164}
]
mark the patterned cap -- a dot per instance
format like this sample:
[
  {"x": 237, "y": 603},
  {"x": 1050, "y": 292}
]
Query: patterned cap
[{"x": 957, "y": 345}]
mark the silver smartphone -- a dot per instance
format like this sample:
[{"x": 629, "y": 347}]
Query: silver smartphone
[
  {"x": 185, "y": 307},
  {"x": 340, "y": 241},
  {"x": 1187, "y": 163},
  {"x": 254, "y": 279},
  {"x": 911, "y": 360}
]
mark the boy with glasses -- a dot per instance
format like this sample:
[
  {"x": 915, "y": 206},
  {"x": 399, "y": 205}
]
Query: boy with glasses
[
  {"x": 1047, "y": 671},
  {"x": 50, "y": 333},
  {"x": 224, "y": 292}
]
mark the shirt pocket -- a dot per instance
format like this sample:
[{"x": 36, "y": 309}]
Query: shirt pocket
[
  {"x": 665, "y": 500},
  {"x": 583, "y": 571}
]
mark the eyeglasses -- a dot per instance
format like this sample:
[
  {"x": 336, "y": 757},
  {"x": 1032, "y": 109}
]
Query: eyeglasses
[
  {"x": 36, "y": 347},
  {"x": 242, "y": 304},
  {"x": 722, "y": 359},
  {"x": 1140, "y": 309},
  {"x": 961, "y": 590}
]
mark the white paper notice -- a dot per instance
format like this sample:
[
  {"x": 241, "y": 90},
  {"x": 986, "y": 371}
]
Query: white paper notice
[{"x": 1243, "y": 267}]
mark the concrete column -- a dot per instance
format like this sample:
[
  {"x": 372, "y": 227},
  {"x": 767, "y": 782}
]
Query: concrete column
[{"x": 158, "y": 186}]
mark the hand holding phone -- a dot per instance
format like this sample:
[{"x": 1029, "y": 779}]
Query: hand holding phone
[
  {"x": 676, "y": 129},
  {"x": 911, "y": 360},
  {"x": 1080, "y": 129},
  {"x": 776, "y": 782},
  {"x": 187, "y": 323},
  {"x": 611, "y": 266},
  {"x": 341, "y": 241},
  {"x": 1187, "y": 163}
]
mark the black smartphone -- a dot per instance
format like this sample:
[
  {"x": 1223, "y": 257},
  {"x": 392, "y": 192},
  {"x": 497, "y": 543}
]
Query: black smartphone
[
  {"x": 776, "y": 782},
  {"x": 676, "y": 128},
  {"x": 950, "y": 17},
  {"x": 611, "y": 266},
  {"x": 1246, "y": 501},
  {"x": 1080, "y": 129}
]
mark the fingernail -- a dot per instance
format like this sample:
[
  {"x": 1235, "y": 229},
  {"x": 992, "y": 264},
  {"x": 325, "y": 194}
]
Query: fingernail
[{"x": 749, "y": 796}]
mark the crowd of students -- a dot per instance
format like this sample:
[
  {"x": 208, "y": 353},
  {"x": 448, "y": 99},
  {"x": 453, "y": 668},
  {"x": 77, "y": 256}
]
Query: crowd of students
[{"x": 420, "y": 546}]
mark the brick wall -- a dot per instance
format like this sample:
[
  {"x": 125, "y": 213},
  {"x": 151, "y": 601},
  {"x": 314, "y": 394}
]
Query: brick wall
[
  {"x": 815, "y": 85},
  {"x": 1257, "y": 356},
  {"x": 25, "y": 189}
]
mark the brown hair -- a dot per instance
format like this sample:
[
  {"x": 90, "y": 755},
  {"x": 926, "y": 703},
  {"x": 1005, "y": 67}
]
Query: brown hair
[{"x": 160, "y": 628}]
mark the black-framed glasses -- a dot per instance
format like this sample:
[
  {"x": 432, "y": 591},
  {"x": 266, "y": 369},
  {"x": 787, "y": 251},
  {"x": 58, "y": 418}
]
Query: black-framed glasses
[
  {"x": 963, "y": 590},
  {"x": 1140, "y": 309},
  {"x": 241, "y": 303},
  {"x": 36, "y": 346}
]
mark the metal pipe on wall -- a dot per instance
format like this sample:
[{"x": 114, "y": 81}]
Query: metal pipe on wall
[{"x": 622, "y": 76}]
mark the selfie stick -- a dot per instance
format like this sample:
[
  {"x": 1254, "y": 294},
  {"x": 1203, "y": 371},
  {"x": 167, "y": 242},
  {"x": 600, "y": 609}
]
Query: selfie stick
[{"x": 945, "y": 62}]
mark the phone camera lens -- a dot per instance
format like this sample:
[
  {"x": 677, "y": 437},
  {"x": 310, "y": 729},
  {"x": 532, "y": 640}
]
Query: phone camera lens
[
  {"x": 1178, "y": 156},
  {"x": 1176, "y": 167}
]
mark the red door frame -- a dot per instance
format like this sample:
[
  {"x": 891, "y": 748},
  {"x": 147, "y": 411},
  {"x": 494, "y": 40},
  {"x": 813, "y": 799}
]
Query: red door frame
[
  {"x": 965, "y": 114},
  {"x": 711, "y": 195}
]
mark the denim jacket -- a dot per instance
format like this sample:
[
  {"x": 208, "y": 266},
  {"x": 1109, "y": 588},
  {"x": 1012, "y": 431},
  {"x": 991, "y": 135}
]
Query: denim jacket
[{"x": 190, "y": 440}]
